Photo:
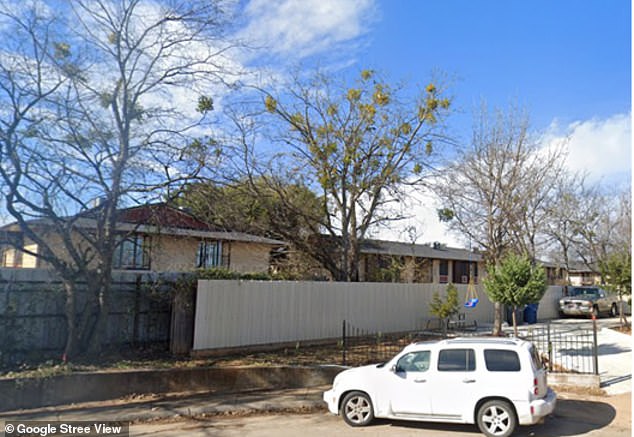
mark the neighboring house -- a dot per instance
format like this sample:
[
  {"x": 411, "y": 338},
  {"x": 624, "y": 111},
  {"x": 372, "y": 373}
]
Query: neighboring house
[
  {"x": 392, "y": 261},
  {"x": 555, "y": 273},
  {"x": 584, "y": 275},
  {"x": 156, "y": 238}
]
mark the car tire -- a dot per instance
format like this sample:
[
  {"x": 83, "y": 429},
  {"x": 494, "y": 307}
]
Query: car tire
[
  {"x": 497, "y": 418},
  {"x": 356, "y": 409},
  {"x": 613, "y": 311}
]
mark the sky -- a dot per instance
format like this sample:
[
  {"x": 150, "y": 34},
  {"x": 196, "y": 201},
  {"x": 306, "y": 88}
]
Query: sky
[{"x": 568, "y": 63}]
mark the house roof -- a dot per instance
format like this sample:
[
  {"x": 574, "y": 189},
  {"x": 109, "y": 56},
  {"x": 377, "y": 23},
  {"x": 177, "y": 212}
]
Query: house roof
[
  {"x": 161, "y": 219},
  {"x": 432, "y": 251},
  {"x": 160, "y": 214},
  {"x": 583, "y": 268}
]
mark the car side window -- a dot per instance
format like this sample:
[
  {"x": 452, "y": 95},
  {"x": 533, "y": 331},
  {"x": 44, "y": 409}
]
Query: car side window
[
  {"x": 456, "y": 360},
  {"x": 499, "y": 360},
  {"x": 414, "y": 362}
]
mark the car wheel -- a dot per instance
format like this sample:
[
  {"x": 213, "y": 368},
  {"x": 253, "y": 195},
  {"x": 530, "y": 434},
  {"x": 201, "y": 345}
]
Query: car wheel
[
  {"x": 613, "y": 311},
  {"x": 496, "y": 419},
  {"x": 356, "y": 409}
]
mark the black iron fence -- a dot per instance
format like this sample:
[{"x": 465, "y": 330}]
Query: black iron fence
[
  {"x": 565, "y": 348},
  {"x": 360, "y": 346}
]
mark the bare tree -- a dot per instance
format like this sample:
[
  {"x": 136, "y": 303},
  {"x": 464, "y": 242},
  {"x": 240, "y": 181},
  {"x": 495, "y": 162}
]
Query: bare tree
[
  {"x": 495, "y": 191},
  {"x": 574, "y": 207},
  {"x": 103, "y": 100}
]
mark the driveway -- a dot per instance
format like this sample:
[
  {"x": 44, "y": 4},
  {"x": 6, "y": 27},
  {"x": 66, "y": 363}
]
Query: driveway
[{"x": 614, "y": 350}]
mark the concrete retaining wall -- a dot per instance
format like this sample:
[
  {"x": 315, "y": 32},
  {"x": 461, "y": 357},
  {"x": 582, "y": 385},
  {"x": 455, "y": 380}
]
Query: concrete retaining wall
[{"x": 29, "y": 393}]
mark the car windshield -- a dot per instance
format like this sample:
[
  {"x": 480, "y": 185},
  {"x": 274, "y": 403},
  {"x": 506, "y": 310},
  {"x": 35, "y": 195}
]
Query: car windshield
[{"x": 584, "y": 292}]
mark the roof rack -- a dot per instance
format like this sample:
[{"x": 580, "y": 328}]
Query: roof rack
[{"x": 480, "y": 340}]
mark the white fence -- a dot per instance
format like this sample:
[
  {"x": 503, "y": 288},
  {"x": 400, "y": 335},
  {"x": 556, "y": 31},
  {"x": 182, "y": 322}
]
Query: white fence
[{"x": 246, "y": 313}]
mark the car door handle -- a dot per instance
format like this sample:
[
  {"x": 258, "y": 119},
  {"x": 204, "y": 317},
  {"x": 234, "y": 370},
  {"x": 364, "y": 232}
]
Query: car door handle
[
  {"x": 420, "y": 380},
  {"x": 468, "y": 381}
]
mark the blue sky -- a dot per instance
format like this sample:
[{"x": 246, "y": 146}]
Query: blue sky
[
  {"x": 568, "y": 63},
  {"x": 568, "y": 60}
]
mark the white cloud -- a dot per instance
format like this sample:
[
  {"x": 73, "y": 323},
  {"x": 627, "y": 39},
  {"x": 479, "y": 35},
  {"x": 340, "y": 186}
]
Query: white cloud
[
  {"x": 300, "y": 28},
  {"x": 600, "y": 147},
  {"x": 421, "y": 224}
]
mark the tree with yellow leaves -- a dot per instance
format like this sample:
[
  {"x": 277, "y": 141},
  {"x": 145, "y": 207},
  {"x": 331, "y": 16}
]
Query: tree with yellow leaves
[{"x": 358, "y": 146}]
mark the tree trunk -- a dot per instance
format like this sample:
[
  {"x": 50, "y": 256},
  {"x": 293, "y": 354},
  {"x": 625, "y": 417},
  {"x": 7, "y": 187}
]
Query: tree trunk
[
  {"x": 514, "y": 321},
  {"x": 497, "y": 321},
  {"x": 100, "y": 333},
  {"x": 623, "y": 320},
  {"x": 71, "y": 337}
]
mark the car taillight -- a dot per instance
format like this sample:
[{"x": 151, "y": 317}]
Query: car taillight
[{"x": 535, "y": 386}]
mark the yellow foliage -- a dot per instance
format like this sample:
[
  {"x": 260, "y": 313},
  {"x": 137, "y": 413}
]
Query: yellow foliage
[
  {"x": 367, "y": 74},
  {"x": 354, "y": 94},
  {"x": 270, "y": 104}
]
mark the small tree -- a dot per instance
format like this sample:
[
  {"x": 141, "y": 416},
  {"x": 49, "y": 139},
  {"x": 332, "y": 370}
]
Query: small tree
[
  {"x": 516, "y": 282},
  {"x": 445, "y": 308},
  {"x": 617, "y": 272}
]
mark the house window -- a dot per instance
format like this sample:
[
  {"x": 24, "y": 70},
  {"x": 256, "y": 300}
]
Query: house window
[
  {"x": 209, "y": 254},
  {"x": 443, "y": 272},
  {"x": 10, "y": 257},
  {"x": 462, "y": 271},
  {"x": 132, "y": 252}
]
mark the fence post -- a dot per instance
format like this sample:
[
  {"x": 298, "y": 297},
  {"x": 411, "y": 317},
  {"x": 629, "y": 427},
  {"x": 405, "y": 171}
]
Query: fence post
[
  {"x": 343, "y": 342},
  {"x": 595, "y": 346},
  {"x": 550, "y": 350}
]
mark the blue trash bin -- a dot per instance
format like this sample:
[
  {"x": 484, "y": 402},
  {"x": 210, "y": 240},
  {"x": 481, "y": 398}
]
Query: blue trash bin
[{"x": 530, "y": 313}]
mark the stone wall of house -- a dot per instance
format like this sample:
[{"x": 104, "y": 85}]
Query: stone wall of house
[
  {"x": 167, "y": 254},
  {"x": 173, "y": 254},
  {"x": 249, "y": 257}
]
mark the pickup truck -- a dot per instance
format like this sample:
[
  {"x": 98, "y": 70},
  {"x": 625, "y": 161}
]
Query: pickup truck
[{"x": 588, "y": 301}]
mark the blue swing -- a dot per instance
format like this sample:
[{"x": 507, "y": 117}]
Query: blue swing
[{"x": 472, "y": 295}]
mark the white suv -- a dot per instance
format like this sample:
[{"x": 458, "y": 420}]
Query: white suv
[{"x": 497, "y": 383}]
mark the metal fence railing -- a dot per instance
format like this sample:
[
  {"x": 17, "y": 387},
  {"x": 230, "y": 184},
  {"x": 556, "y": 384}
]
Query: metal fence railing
[
  {"x": 564, "y": 348},
  {"x": 360, "y": 346}
]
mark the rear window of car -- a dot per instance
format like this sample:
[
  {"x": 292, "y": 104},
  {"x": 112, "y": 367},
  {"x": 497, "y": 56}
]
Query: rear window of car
[
  {"x": 536, "y": 359},
  {"x": 499, "y": 360},
  {"x": 584, "y": 292},
  {"x": 456, "y": 360}
]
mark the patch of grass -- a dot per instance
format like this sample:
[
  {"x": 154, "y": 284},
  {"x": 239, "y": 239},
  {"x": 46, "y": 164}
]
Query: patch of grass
[{"x": 159, "y": 358}]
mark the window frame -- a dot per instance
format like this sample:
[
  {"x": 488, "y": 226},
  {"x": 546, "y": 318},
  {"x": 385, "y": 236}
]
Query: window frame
[
  {"x": 203, "y": 254},
  {"x": 490, "y": 360},
  {"x": 140, "y": 245},
  {"x": 399, "y": 368},
  {"x": 470, "y": 361}
]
